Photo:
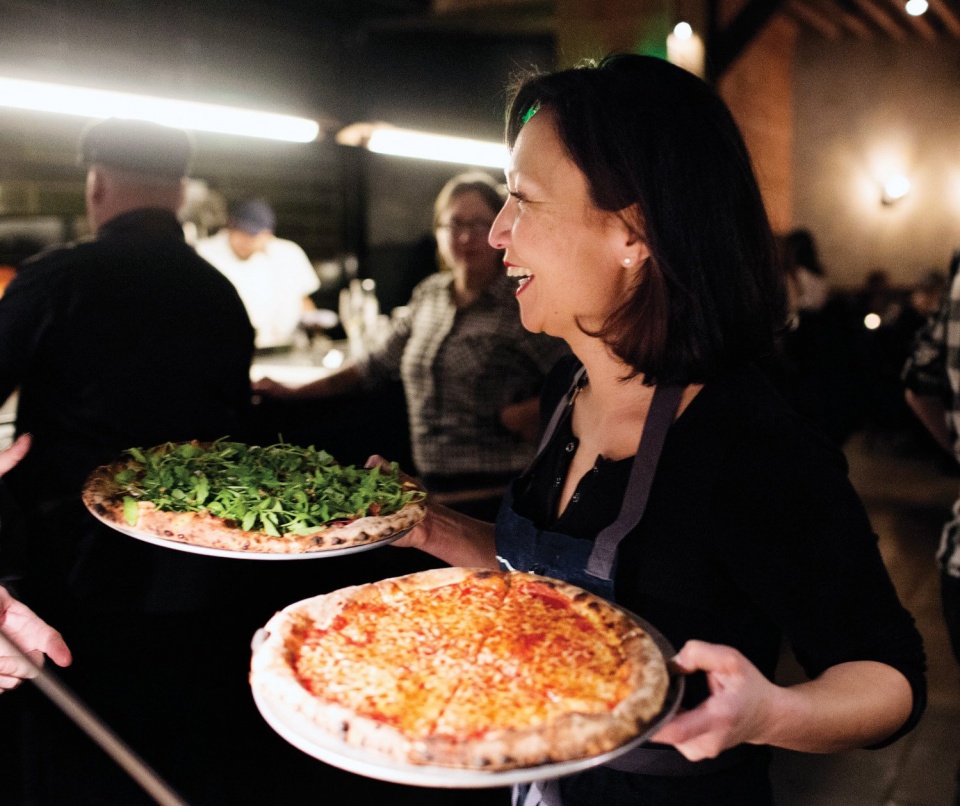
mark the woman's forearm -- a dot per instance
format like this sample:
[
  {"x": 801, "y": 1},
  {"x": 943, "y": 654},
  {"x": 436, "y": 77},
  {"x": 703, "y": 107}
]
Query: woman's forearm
[
  {"x": 850, "y": 705},
  {"x": 456, "y": 539}
]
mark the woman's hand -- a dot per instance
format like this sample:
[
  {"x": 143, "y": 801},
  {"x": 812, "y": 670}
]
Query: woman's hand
[
  {"x": 447, "y": 535},
  {"x": 32, "y": 635},
  {"x": 737, "y": 710},
  {"x": 416, "y": 538},
  {"x": 852, "y": 704}
]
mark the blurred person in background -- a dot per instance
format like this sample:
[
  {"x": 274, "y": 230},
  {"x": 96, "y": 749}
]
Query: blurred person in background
[
  {"x": 931, "y": 376},
  {"x": 273, "y": 276},
  {"x": 127, "y": 340},
  {"x": 819, "y": 373},
  {"x": 888, "y": 346},
  {"x": 32, "y": 635},
  {"x": 471, "y": 373}
]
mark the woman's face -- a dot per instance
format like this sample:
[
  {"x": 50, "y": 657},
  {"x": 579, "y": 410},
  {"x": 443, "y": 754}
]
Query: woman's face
[
  {"x": 462, "y": 238},
  {"x": 573, "y": 260}
]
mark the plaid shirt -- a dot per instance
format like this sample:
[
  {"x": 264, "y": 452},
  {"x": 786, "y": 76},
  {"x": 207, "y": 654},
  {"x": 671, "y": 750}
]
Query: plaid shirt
[
  {"x": 459, "y": 369},
  {"x": 933, "y": 370}
]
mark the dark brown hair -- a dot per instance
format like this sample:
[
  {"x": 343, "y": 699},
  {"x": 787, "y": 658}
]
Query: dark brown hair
[{"x": 660, "y": 148}]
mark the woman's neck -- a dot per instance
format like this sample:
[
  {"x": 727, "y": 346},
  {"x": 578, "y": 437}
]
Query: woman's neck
[{"x": 613, "y": 393}]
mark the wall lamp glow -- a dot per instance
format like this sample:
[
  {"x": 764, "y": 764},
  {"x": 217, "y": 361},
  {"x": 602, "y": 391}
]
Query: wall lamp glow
[
  {"x": 68, "y": 100},
  {"x": 894, "y": 189},
  {"x": 916, "y": 7},
  {"x": 382, "y": 138}
]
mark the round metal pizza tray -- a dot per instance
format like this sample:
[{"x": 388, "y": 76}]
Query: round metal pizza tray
[
  {"x": 305, "y": 736},
  {"x": 176, "y": 545}
]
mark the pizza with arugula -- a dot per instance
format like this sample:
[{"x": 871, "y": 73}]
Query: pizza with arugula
[{"x": 279, "y": 499}]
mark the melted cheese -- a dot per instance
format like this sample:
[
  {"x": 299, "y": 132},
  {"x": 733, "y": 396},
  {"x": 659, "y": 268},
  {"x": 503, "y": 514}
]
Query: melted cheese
[{"x": 543, "y": 660}]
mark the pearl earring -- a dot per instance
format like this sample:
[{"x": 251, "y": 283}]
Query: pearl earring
[{"x": 627, "y": 261}]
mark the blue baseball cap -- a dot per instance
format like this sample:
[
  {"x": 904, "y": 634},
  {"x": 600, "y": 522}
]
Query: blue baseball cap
[{"x": 253, "y": 217}]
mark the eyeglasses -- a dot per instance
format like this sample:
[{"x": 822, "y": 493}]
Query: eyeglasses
[{"x": 458, "y": 228}]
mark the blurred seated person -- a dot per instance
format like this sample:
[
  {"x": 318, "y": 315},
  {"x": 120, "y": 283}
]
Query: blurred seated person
[
  {"x": 273, "y": 276},
  {"x": 471, "y": 373},
  {"x": 806, "y": 280},
  {"x": 819, "y": 368}
]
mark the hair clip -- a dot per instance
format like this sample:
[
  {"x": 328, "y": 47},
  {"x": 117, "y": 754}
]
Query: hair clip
[{"x": 530, "y": 113}]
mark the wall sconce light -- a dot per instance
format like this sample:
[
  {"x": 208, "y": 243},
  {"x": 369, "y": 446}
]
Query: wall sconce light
[
  {"x": 894, "y": 188},
  {"x": 382, "y": 138},
  {"x": 916, "y": 7}
]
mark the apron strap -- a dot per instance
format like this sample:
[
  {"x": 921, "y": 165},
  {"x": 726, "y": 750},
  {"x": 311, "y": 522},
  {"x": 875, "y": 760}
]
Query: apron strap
[
  {"x": 663, "y": 410},
  {"x": 562, "y": 408}
]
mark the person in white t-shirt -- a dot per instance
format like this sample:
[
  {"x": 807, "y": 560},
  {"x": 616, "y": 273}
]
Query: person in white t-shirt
[{"x": 273, "y": 276}]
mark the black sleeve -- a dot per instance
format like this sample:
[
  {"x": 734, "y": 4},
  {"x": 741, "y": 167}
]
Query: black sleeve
[{"x": 802, "y": 548}]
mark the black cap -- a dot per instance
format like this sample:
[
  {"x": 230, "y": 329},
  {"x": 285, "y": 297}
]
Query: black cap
[
  {"x": 138, "y": 146},
  {"x": 253, "y": 217}
]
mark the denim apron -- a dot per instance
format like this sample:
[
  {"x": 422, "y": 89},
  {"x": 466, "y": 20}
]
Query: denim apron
[{"x": 590, "y": 564}]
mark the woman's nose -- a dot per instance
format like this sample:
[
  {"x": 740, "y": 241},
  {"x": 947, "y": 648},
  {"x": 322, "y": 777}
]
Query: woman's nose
[{"x": 499, "y": 237}]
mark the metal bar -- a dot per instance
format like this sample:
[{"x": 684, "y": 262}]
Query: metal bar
[{"x": 94, "y": 727}]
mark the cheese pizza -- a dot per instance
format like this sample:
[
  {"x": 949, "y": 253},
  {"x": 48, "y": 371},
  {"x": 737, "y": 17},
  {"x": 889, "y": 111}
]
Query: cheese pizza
[{"x": 464, "y": 668}]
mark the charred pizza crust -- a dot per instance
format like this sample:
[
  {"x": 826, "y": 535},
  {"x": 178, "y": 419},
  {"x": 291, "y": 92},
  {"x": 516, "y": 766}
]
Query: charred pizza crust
[
  {"x": 518, "y": 685},
  {"x": 102, "y": 496}
]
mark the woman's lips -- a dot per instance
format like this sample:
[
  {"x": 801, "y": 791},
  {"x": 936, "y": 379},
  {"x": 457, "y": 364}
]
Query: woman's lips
[{"x": 523, "y": 276}]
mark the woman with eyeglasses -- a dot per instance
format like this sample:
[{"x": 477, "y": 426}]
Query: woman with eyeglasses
[{"x": 471, "y": 373}]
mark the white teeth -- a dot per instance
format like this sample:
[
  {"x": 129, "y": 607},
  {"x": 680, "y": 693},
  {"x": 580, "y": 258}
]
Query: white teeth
[
  {"x": 516, "y": 271},
  {"x": 524, "y": 281}
]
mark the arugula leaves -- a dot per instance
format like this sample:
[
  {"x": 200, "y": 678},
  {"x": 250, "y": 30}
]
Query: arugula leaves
[{"x": 279, "y": 489}]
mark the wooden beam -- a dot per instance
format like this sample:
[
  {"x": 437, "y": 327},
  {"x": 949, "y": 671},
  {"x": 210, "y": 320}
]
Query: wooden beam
[
  {"x": 947, "y": 16},
  {"x": 854, "y": 24},
  {"x": 814, "y": 18},
  {"x": 919, "y": 24},
  {"x": 882, "y": 19},
  {"x": 725, "y": 46}
]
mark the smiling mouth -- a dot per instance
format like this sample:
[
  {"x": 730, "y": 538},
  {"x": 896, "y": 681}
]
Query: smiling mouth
[{"x": 522, "y": 276}]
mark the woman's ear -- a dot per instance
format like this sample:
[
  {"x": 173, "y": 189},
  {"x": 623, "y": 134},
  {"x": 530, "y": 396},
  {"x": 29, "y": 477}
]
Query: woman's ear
[{"x": 636, "y": 252}]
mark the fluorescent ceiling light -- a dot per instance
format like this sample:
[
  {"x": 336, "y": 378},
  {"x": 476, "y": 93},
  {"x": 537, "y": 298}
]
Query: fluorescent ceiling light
[
  {"x": 384, "y": 139},
  {"x": 67, "y": 100}
]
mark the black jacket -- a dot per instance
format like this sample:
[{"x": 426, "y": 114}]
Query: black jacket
[{"x": 128, "y": 340}]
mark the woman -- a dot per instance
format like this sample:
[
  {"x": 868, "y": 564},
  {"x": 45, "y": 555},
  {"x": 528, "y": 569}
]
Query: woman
[
  {"x": 637, "y": 233},
  {"x": 471, "y": 373}
]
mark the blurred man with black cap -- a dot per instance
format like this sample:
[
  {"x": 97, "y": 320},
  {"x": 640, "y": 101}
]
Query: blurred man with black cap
[
  {"x": 273, "y": 276},
  {"x": 129, "y": 339}
]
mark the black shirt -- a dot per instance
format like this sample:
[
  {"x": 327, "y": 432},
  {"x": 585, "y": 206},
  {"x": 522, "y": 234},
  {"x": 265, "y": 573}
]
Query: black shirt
[{"x": 752, "y": 532}]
